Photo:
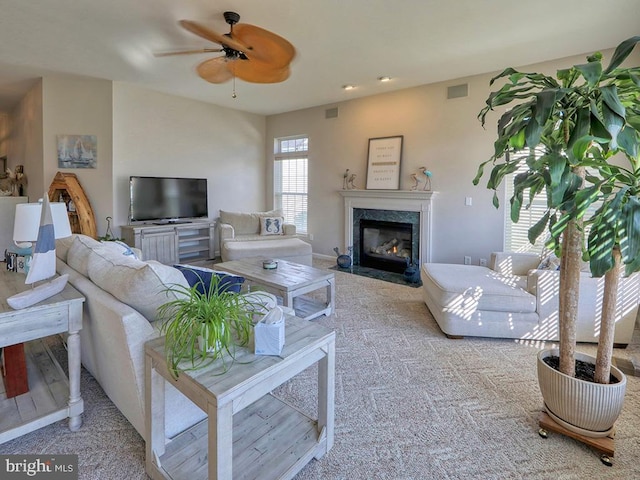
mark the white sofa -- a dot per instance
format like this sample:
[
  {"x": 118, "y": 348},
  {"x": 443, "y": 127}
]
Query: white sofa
[
  {"x": 512, "y": 298},
  {"x": 241, "y": 236},
  {"x": 122, "y": 295}
]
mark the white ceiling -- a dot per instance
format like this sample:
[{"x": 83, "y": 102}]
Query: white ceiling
[{"x": 338, "y": 42}]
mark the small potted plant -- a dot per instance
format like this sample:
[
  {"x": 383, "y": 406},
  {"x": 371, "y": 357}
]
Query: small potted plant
[{"x": 206, "y": 323}]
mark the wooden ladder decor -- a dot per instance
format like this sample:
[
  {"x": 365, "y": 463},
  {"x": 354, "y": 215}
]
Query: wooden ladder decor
[{"x": 66, "y": 188}]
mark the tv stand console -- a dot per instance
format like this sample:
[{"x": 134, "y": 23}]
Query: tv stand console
[
  {"x": 172, "y": 243},
  {"x": 173, "y": 222}
]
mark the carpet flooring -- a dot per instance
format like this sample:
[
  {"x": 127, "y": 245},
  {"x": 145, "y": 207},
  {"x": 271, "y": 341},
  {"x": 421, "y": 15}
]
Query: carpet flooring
[{"x": 410, "y": 404}]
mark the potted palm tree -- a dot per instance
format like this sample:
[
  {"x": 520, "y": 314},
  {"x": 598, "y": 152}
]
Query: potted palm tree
[
  {"x": 586, "y": 122},
  {"x": 206, "y": 322}
]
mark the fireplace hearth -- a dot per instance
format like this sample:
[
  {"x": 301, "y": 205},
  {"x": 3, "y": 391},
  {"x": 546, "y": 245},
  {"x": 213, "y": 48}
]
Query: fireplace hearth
[{"x": 385, "y": 245}]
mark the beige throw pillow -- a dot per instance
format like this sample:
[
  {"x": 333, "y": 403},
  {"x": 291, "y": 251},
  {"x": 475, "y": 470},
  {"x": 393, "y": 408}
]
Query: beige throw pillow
[
  {"x": 246, "y": 223},
  {"x": 79, "y": 253},
  {"x": 141, "y": 285}
]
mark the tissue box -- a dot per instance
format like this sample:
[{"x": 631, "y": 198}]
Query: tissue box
[{"x": 269, "y": 337}]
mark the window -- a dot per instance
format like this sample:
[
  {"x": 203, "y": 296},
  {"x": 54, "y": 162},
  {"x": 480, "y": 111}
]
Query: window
[
  {"x": 516, "y": 235},
  {"x": 290, "y": 174}
]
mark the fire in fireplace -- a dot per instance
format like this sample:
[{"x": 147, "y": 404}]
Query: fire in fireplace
[{"x": 385, "y": 245}]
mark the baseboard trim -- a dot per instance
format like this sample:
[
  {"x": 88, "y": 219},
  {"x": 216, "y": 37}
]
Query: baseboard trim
[{"x": 321, "y": 256}]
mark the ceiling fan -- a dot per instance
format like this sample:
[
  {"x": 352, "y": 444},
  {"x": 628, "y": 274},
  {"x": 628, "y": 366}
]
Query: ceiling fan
[{"x": 251, "y": 53}]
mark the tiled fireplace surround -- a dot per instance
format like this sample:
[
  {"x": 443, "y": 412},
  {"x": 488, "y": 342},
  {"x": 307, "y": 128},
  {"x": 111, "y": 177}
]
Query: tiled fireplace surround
[{"x": 390, "y": 205}]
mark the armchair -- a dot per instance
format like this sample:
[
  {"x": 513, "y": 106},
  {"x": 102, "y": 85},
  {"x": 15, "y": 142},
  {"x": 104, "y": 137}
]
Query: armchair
[{"x": 260, "y": 234}]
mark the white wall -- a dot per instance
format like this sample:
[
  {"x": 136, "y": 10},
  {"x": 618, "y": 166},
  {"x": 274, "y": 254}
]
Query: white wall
[
  {"x": 4, "y": 134},
  {"x": 440, "y": 134},
  {"x": 25, "y": 145},
  {"x": 80, "y": 106},
  {"x": 159, "y": 134},
  {"x": 139, "y": 132}
]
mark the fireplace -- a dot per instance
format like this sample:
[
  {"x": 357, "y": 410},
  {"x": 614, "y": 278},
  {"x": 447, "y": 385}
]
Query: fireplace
[
  {"x": 398, "y": 206},
  {"x": 375, "y": 234},
  {"x": 385, "y": 245}
]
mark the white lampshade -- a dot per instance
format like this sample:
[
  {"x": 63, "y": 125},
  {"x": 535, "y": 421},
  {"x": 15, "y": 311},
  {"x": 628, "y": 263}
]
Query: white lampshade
[{"x": 27, "y": 221}]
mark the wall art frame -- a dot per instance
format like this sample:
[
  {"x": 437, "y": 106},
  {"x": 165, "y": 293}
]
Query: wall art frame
[
  {"x": 77, "y": 151},
  {"x": 384, "y": 159}
]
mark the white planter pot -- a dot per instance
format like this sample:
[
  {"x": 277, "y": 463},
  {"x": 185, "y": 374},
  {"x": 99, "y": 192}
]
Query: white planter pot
[
  {"x": 204, "y": 345},
  {"x": 587, "y": 408}
]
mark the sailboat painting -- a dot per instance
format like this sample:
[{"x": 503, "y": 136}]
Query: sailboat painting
[{"x": 77, "y": 151}]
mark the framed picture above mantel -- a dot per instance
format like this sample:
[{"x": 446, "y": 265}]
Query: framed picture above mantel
[{"x": 383, "y": 163}]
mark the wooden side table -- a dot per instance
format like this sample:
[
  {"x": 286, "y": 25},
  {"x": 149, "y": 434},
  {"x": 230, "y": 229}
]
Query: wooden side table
[
  {"x": 249, "y": 433},
  {"x": 54, "y": 397}
]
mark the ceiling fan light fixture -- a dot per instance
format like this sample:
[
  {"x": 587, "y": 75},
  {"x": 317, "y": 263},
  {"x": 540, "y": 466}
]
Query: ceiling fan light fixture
[
  {"x": 251, "y": 53},
  {"x": 348, "y": 87}
]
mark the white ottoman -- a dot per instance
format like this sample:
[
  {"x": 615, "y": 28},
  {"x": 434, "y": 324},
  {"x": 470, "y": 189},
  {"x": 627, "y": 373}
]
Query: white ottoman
[{"x": 291, "y": 249}]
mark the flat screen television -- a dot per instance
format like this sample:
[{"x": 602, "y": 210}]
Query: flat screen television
[{"x": 167, "y": 199}]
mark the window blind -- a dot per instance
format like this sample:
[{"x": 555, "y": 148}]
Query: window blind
[
  {"x": 291, "y": 180},
  {"x": 516, "y": 235}
]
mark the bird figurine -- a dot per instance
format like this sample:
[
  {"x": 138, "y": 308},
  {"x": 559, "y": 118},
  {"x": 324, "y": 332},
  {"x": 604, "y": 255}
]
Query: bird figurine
[
  {"x": 350, "y": 180},
  {"x": 416, "y": 181},
  {"x": 427, "y": 178},
  {"x": 17, "y": 180}
]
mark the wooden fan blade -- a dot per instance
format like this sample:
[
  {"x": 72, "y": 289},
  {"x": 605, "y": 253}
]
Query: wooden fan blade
[
  {"x": 208, "y": 34},
  {"x": 264, "y": 45},
  {"x": 188, "y": 52},
  {"x": 258, "y": 72},
  {"x": 215, "y": 70}
]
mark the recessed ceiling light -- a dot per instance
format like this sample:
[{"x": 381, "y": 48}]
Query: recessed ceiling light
[
  {"x": 384, "y": 79},
  {"x": 348, "y": 87}
]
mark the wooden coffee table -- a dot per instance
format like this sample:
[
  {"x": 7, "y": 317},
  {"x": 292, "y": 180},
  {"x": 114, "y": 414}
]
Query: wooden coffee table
[{"x": 290, "y": 281}]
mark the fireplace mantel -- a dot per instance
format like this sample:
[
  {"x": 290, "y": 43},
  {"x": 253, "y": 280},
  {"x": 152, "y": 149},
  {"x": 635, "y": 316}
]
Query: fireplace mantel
[{"x": 403, "y": 200}]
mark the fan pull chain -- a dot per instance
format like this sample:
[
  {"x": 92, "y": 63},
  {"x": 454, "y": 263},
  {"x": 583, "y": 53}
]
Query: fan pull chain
[{"x": 233, "y": 72}]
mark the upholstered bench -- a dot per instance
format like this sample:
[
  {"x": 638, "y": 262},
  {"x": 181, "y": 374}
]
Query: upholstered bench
[{"x": 291, "y": 249}]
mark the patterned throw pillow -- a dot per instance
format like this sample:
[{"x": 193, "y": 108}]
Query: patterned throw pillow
[
  {"x": 201, "y": 277},
  {"x": 271, "y": 225}
]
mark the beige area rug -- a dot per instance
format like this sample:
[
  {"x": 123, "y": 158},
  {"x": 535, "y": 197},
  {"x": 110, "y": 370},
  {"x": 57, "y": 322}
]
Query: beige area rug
[{"x": 410, "y": 404}]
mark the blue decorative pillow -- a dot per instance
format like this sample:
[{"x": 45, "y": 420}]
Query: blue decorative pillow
[
  {"x": 201, "y": 277},
  {"x": 120, "y": 247}
]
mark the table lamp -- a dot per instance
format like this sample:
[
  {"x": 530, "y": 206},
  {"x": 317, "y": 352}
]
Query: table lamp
[
  {"x": 36, "y": 226},
  {"x": 27, "y": 223}
]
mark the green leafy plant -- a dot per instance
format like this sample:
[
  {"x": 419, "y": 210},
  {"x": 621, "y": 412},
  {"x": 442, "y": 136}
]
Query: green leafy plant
[
  {"x": 586, "y": 120},
  {"x": 108, "y": 236},
  {"x": 221, "y": 319}
]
